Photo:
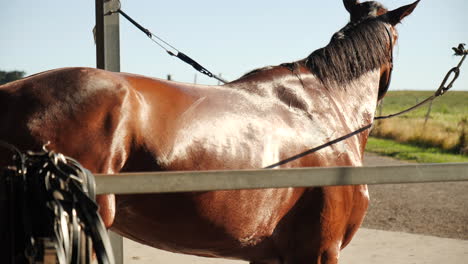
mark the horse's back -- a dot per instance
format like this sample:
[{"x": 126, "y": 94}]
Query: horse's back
[{"x": 106, "y": 111}]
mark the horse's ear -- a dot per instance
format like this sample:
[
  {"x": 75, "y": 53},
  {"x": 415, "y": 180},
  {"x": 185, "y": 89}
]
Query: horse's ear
[
  {"x": 395, "y": 16},
  {"x": 350, "y": 4}
]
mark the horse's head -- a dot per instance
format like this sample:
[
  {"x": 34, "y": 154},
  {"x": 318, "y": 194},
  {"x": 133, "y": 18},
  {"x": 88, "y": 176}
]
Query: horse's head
[
  {"x": 374, "y": 10},
  {"x": 359, "y": 11}
]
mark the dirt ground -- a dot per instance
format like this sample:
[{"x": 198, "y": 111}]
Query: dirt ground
[{"x": 436, "y": 209}]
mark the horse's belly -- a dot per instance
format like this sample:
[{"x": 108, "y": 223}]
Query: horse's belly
[{"x": 220, "y": 223}]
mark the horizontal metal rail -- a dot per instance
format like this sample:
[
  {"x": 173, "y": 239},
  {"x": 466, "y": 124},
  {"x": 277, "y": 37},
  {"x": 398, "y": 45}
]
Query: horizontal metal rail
[{"x": 191, "y": 181}]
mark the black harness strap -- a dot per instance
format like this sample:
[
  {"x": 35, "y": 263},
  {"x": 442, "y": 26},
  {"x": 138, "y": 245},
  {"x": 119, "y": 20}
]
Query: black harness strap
[
  {"x": 312, "y": 150},
  {"x": 183, "y": 57}
]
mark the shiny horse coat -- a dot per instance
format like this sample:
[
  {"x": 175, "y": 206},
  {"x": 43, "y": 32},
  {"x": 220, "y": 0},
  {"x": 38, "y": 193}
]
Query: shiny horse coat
[{"x": 112, "y": 122}]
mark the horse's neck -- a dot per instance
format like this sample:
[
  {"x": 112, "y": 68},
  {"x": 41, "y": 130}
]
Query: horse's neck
[
  {"x": 353, "y": 102},
  {"x": 341, "y": 109},
  {"x": 357, "y": 100}
]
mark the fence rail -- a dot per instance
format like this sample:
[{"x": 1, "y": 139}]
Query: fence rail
[{"x": 163, "y": 182}]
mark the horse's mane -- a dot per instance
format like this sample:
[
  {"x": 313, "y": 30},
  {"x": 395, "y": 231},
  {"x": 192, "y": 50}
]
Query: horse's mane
[{"x": 354, "y": 50}]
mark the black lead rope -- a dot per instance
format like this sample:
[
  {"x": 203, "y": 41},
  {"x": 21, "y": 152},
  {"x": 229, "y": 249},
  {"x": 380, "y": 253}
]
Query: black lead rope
[
  {"x": 183, "y": 57},
  {"x": 312, "y": 150}
]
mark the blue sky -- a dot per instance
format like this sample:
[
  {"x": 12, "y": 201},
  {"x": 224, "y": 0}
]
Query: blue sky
[{"x": 228, "y": 37}]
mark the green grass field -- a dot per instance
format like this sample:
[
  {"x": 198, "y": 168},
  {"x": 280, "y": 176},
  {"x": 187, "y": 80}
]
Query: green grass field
[
  {"x": 449, "y": 108},
  {"x": 445, "y": 132}
]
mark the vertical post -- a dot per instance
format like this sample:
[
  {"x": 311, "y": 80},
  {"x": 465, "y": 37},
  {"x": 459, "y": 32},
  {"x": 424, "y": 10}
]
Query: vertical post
[
  {"x": 107, "y": 35},
  {"x": 108, "y": 58},
  {"x": 99, "y": 34},
  {"x": 381, "y": 107},
  {"x": 116, "y": 241},
  {"x": 428, "y": 114}
]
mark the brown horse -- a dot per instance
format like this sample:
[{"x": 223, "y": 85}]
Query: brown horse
[{"x": 112, "y": 122}]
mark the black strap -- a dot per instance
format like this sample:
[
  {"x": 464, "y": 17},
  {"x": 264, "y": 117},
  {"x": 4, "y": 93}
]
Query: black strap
[
  {"x": 441, "y": 91},
  {"x": 197, "y": 66},
  {"x": 315, "y": 149},
  {"x": 443, "y": 88},
  {"x": 140, "y": 27}
]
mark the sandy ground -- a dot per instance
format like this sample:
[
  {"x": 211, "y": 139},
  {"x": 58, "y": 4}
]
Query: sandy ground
[
  {"x": 368, "y": 247},
  {"x": 406, "y": 223}
]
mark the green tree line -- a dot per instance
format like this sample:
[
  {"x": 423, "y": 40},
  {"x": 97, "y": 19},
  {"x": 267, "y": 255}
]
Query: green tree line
[{"x": 9, "y": 76}]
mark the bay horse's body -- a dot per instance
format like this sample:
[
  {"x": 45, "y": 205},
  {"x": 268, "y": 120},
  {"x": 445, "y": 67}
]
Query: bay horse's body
[{"x": 112, "y": 122}]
